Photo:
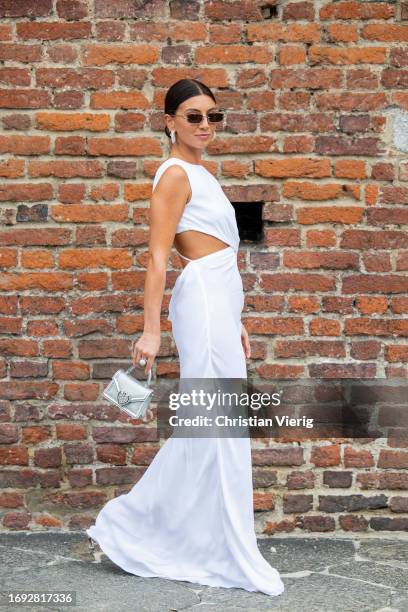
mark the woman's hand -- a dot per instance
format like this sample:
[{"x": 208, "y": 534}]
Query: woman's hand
[
  {"x": 245, "y": 341},
  {"x": 146, "y": 347}
]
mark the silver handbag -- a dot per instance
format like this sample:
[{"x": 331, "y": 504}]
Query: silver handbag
[{"x": 128, "y": 394}]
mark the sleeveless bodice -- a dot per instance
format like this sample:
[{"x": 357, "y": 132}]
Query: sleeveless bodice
[{"x": 209, "y": 210}]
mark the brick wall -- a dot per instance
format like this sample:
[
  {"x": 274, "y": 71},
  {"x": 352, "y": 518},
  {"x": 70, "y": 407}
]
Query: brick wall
[{"x": 317, "y": 128}]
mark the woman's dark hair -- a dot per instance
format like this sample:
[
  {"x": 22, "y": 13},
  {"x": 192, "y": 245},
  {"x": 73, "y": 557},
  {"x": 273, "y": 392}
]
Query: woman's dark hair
[{"x": 183, "y": 90}]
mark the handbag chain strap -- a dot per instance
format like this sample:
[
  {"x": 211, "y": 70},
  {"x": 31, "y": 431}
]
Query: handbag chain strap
[{"x": 149, "y": 376}]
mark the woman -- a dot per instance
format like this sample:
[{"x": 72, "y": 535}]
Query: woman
[{"x": 190, "y": 516}]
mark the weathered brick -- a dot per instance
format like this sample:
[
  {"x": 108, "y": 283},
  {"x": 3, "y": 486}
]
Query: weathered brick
[
  {"x": 355, "y": 55},
  {"x": 396, "y": 33},
  {"x": 68, "y": 100},
  {"x": 111, "y": 453},
  {"x": 337, "y": 479},
  {"x": 297, "y": 503},
  {"x": 48, "y": 457},
  {"x": 127, "y": 147},
  {"x": 25, "y": 8},
  {"x": 317, "y": 523},
  {"x": 16, "y": 520},
  {"x": 78, "y": 453},
  {"x": 347, "y": 12},
  {"x": 62, "y": 53},
  {"x": 371, "y": 304},
  {"x": 52, "y": 30},
  {"x": 312, "y": 215},
  {"x": 351, "y": 503},
  {"x": 24, "y": 145},
  {"x": 350, "y": 522},
  {"x": 72, "y": 9},
  {"x": 100, "y": 55}
]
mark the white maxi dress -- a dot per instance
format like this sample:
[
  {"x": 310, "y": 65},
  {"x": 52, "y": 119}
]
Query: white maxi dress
[{"x": 190, "y": 516}]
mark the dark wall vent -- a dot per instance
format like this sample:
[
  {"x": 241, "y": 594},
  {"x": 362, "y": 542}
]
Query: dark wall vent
[
  {"x": 249, "y": 220},
  {"x": 269, "y": 11}
]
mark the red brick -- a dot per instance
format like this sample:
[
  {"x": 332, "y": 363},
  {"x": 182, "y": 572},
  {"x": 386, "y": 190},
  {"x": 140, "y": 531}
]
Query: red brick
[
  {"x": 341, "y": 32},
  {"x": 128, "y": 147},
  {"x": 234, "y": 54},
  {"x": 263, "y": 500},
  {"x": 297, "y": 503},
  {"x": 25, "y": 8},
  {"x": 351, "y": 11},
  {"x": 110, "y": 453},
  {"x": 20, "y": 53},
  {"x": 12, "y": 168},
  {"x": 15, "y": 76},
  {"x": 386, "y": 284},
  {"x": 31, "y": 192},
  {"x": 11, "y": 499},
  {"x": 110, "y": 30},
  {"x": 306, "y": 33},
  {"x": 350, "y": 522},
  {"x": 70, "y": 145},
  {"x": 48, "y": 457},
  {"x": 372, "y": 304},
  {"x": 68, "y": 100},
  {"x": 291, "y": 54},
  {"x": 394, "y": 33},
  {"x": 16, "y": 520},
  {"x": 73, "y": 121},
  {"x": 65, "y": 169},
  {"x": 52, "y": 30},
  {"x": 13, "y": 455},
  {"x": 278, "y": 456},
  {"x": 294, "y": 167},
  {"x": 36, "y": 434},
  {"x": 324, "y": 456},
  {"x": 393, "y": 459},
  {"x": 100, "y": 55},
  {"x": 316, "y": 192},
  {"x": 312, "y": 215},
  {"x": 369, "y": 349},
  {"x": 324, "y": 327},
  {"x": 396, "y": 353},
  {"x": 297, "y": 282},
  {"x": 320, "y": 238},
  {"x": 72, "y": 9},
  {"x": 24, "y": 145},
  {"x": 357, "y": 458},
  {"x": 62, "y": 53},
  {"x": 317, "y": 523},
  {"x": 331, "y": 260},
  {"x": 300, "y": 480}
]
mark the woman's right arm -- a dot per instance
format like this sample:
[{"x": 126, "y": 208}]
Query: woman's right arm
[{"x": 167, "y": 205}]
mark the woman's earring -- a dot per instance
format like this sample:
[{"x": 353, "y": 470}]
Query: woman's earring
[{"x": 173, "y": 136}]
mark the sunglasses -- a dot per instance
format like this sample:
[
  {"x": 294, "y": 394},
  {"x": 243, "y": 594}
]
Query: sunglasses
[{"x": 195, "y": 117}]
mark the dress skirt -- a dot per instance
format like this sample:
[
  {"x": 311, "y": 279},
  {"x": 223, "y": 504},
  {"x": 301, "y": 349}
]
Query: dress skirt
[{"x": 190, "y": 516}]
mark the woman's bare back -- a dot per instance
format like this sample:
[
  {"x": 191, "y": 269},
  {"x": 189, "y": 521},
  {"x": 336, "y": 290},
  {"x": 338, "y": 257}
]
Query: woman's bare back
[{"x": 194, "y": 244}]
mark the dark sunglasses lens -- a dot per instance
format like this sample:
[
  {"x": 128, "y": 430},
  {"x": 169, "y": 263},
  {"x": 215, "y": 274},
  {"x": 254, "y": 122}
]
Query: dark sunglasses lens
[
  {"x": 194, "y": 118},
  {"x": 215, "y": 117},
  {"x": 198, "y": 117}
]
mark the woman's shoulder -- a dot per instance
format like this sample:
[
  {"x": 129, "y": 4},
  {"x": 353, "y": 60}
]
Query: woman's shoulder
[
  {"x": 170, "y": 161},
  {"x": 167, "y": 163}
]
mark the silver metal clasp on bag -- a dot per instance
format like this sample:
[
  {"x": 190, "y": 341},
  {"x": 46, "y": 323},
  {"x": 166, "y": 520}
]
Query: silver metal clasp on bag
[{"x": 123, "y": 398}]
